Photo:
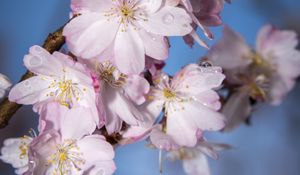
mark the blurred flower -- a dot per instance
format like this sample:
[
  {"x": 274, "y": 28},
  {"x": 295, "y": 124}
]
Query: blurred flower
[
  {"x": 278, "y": 49},
  {"x": 5, "y": 84},
  {"x": 15, "y": 152},
  {"x": 237, "y": 109},
  {"x": 105, "y": 27},
  {"x": 267, "y": 73},
  {"x": 194, "y": 159},
  {"x": 189, "y": 103}
]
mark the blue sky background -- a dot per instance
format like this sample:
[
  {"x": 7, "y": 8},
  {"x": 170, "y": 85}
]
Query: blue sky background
[{"x": 269, "y": 146}]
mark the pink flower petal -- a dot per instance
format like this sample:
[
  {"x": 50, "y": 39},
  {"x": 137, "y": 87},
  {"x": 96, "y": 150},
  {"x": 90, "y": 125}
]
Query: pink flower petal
[
  {"x": 172, "y": 21},
  {"x": 136, "y": 88},
  {"x": 90, "y": 34},
  {"x": 84, "y": 6},
  {"x": 129, "y": 59},
  {"x": 156, "y": 46},
  {"x": 30, "y": 91},
  {"x": 95, "y": 148}
]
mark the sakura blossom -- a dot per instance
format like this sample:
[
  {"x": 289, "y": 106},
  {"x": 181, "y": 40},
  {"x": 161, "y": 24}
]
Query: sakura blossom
[
  {"x": 282, "y": 57},
  {"x": 5, "y": 84},
  {"x": 57, "y": 78},
  {"x": 105, "y": 26},
  {"x": 15, "y": 152},
  {"x": 267, "y": 73},
  {"x": 62, "y": 148},
  {"x": 53, "y": 153},
  {"x": 189, "y": 102}
]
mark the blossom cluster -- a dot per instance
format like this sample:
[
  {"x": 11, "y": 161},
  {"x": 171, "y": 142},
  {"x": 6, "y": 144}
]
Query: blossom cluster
[{"x": 110, "y": 89}]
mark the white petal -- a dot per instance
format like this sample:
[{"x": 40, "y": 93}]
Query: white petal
[
  {"x": 117, "y": 107},
  {"x": 151, "y": 5},
  {"x": 86, "y": 6},
  {"x": 185, "y": 119},
  {"x": 197, "y": 166},
  {"x": 90, "y": 34},
  {"x": 136, "y": 87},
  {"x": 168, "y": 21},
  {"x": 194, "y": 79},
  {"x": 232, "y": 55},
  {"x": 30, "y": 91},
  {"x": 95, "y": 148},
  {"x": 11, "y": 152},
  {"x": 129, "y": 59},
  {"x": 156, "y": 46},
  {"x": 41, "y": 62},
  {"x": 4, "y": 82}
]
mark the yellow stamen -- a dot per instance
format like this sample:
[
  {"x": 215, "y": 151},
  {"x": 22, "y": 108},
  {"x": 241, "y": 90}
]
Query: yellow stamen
[{"x": 169, "y": 94}]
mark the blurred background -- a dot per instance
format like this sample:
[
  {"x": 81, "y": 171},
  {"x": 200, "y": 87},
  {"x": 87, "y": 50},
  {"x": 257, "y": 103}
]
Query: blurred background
[{"x": 270, "y": 146}]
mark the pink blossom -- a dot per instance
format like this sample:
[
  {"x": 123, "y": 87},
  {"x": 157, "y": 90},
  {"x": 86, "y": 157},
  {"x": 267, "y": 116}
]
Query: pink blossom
[
  {"x": 189, "y": 102},
  {"x": 278, "y": 48},
  {"x": 105, "y": 27},
  {"x": 272, "y": 68},
  {"x": 265, "y": 74},
  {"x": 5, "y": 84},
  {"x": 58, "y": 78},
  {"x": 53, "y": 153},
  {"x": 15, "y": 152},
  {"x": 119, "y": 96}
]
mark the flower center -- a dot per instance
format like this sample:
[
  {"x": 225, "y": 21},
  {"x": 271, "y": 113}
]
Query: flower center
[
  {"x": 66, "y": 157},
  {"x": 23, "y": 147},
  {"x": 127, "y": 12},
  {"x": 168, "y": 94},
  {"x": 65, "y": 91},
  {"x": 111, "y": 75}
]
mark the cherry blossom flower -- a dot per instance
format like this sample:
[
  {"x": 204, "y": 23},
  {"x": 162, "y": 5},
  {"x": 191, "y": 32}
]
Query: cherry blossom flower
[
  {"x": 271, "y": 69},
  {"x": 5, "y": 84},
  {"x": 267, "y": 73},
  {"x": 278, "y": 49},
  {"x": 62, "y": 148},
  {"x": 119, "y": 96},
  {"x": 52, "y": 153},
  {"x": 15, "y": 152},
  {"x": 189, "y": 102},
  {"x": 105, "y": 27},
  {"x": 195, "y": 159},
  {"x": 58, "y": 78}
]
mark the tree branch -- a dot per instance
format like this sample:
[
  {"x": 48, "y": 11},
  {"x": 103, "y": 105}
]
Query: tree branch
[{"x": 53, "y": 43}]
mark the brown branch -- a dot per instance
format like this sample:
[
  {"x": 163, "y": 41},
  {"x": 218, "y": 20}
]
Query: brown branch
[{"x": 53, "y": 43}]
